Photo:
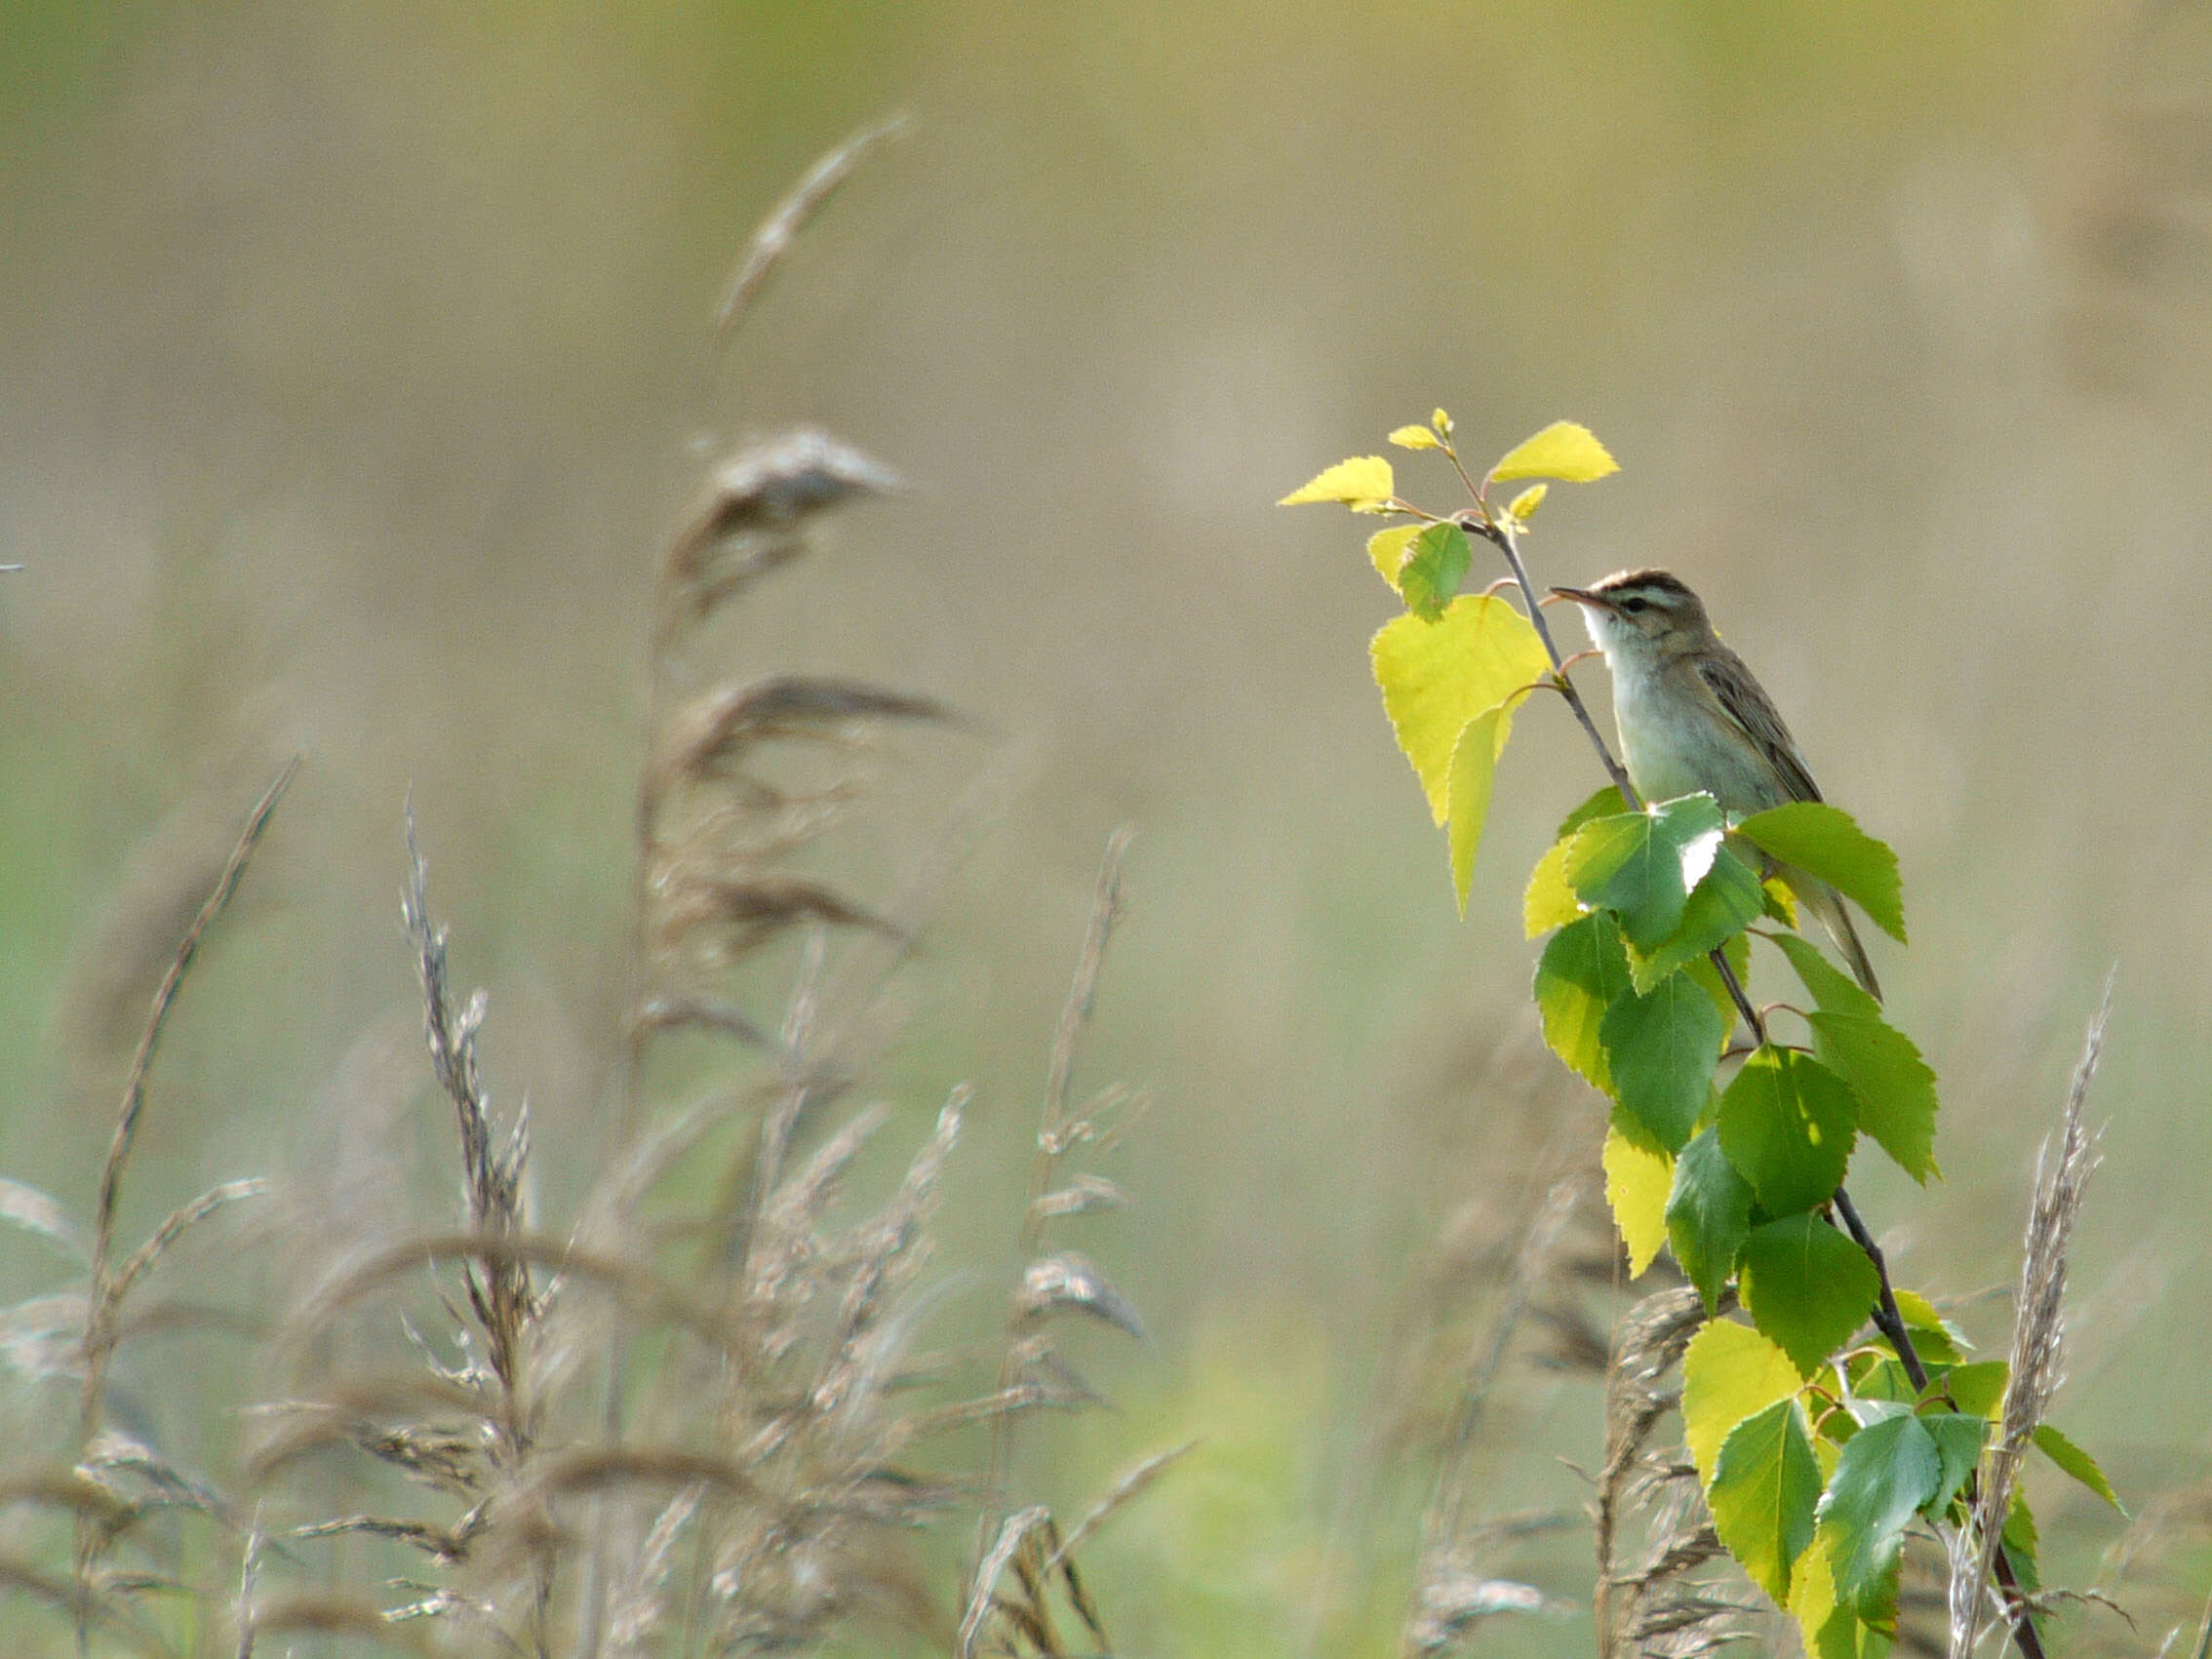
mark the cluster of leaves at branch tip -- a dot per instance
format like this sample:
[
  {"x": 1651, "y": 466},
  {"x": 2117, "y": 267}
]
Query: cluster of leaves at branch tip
[{"x": 1815, "y": 1450}]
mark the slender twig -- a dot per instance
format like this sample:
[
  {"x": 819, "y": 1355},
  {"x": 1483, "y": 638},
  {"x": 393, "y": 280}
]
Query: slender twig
[{"x": 1888, "y": 1318}]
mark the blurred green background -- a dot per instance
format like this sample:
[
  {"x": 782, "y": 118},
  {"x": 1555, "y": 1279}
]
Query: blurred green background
[{"x": 354, "y": 366}]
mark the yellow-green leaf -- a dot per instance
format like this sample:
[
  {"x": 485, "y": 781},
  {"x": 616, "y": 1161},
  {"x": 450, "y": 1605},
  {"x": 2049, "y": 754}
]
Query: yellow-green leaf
[
  {"x": 2053, "y": 1444},
  {"x": 1830, "y": 1631},
  {"x": 1437, "y": 676},
  {"x": 1550, "y": 901},
  {"x": 1921, "y": 1315},
  {"x": 1414, "y": 438},
  {"x": 1729, "y": 1372},
  {"x": 1363, "y": 483},
  {"x": 1526, "y": 504},
  {"x": 1812, "y": 1594},
  {"x": 1441, "y": 421},
  {"x": 1387, "y": 550},
  {"x": 1474, "y": 763},
  {"x": 1978, "y": 1387},
  {"x": 1638, "y": 1181},
  {"x": 1563, "y": 450}
]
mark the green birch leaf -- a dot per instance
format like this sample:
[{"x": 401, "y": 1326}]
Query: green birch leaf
[
  {"x": 1895, "y": 1087},
  {"x": 1726, "y": 901},
  {"x": 1831, "y": 987},
  {"x": 1708, "y": 1216},
  {"x": 1661, "y": 1051},
  {"x": 1825, "y": 842},
  {"x": 1876, "y": 1376},
  {"x": 1765, "y": 1485},
  {"x": 1581, "y": 974},
  {"x": 1729, "y": 1372},
  {"x": 2021, "y": 1541},
  {"x": 2053, "y": 1445},
  {"x": 1806, "y": 1286},
  {"x": 1787, "y": 1124},
  {"x": 1473, "y": 767},
  {"x": 1978, "y": 1387},
  {"x": 1643, "y": 865},
  {"x": 1958, "y": 1440},
  {"x": 1433, "y": 569},
  {"x": 1888, "y": 1470}
]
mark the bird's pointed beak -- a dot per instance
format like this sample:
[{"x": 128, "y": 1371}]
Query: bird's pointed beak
[{"x": 1583, "y": 596}]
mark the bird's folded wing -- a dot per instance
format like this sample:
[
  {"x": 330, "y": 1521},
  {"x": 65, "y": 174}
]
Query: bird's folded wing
[{"x": 1743, "y": 701}]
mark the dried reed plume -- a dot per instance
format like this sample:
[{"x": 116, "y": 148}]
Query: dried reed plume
[
  {"x": 1022, "y": 1555},
  {"x": 1657, "y": 1604},
  {"x": 1508, "y": 1279},
  {"x": 2038, "y": 1336},
  {"x": 683, "y": 1424}
]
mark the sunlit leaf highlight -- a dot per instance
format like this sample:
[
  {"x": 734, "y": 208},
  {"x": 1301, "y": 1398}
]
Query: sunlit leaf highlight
[
  {"x": 1729, "y": 1372},
  {"x": 1437, "y": 676},
  {"x": 1638, "y": 1180},
  {"x": 1563, "y": 450},
  {"x": 1364, "y": 484}
]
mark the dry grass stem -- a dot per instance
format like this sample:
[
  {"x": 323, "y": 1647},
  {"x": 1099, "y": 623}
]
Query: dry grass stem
[
  {"x": 1440, "y": 1528},
  {"x": 106, "y": 1287},
  {"x": 776, "y": 233},
  {"x": 100, "y": 1314},
  {"x": 2038, "y": 1336}
]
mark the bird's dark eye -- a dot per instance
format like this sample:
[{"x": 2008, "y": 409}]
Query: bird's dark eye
[{"x": 1631, "y": 606}]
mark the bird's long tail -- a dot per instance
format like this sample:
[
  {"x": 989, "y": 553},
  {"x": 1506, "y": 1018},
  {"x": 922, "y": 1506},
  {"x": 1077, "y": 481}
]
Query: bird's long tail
[{"x": 1825, "y": 903}]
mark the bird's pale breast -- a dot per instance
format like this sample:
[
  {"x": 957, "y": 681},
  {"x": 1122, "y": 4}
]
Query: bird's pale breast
[{"x": 1674, "y": 744}]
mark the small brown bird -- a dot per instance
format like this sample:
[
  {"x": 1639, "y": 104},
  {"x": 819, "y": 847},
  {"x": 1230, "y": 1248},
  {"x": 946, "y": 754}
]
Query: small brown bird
[{"x": 1691, "y": 717}]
